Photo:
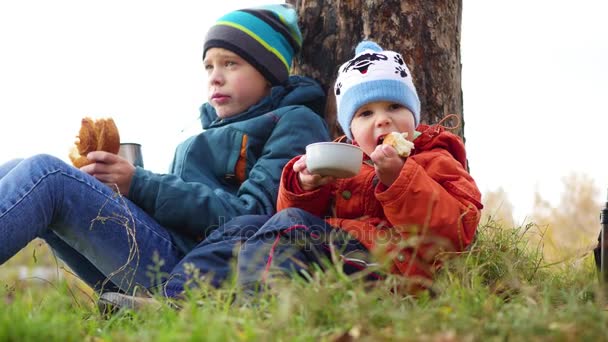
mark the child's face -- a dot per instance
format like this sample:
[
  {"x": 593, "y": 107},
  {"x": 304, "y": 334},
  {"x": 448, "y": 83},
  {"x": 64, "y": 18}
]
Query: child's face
[
  {"x": 233, "y": 85},
  {"x": 374, "y": 120}
]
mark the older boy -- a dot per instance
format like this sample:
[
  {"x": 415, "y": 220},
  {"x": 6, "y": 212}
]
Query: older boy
[{"x": 257, "y": 118}]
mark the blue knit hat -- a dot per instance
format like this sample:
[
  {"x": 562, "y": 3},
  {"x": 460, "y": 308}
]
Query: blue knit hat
[
  {"x": 373, "y": 75},
  {"x": 267, "y": 37}
]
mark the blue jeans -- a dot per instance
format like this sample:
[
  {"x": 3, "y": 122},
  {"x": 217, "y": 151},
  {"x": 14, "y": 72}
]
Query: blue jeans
[
  {"x": 108, "y": 241},
  {"x": 214, "y": 258}
]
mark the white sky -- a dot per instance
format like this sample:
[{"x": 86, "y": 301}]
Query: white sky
[{"x": 534, "y": 82}]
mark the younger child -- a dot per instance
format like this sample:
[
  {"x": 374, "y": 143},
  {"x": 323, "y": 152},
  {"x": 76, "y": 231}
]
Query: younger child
[
  {"x": 405, "y": 209},
  {"x": 256, "y": 119}
]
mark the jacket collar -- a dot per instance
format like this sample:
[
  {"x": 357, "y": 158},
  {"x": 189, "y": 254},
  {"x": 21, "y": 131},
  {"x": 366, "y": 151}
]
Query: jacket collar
[
  {"x": 297, "y": 90},
  {"x": 436, "y": 136}
]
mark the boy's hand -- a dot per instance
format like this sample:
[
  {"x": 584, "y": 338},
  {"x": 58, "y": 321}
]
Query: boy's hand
[
  {"x": 388, "y": 164},
  {"x": 110, "y": 169},
  {"x": 307, "y": 180}
]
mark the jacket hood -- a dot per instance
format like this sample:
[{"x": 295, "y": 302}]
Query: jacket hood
[
  {"x": 437, "y": 136},
  {"x": 297, "y": 90}
]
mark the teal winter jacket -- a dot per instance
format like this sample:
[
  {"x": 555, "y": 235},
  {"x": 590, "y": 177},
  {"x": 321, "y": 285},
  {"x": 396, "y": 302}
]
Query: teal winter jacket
[{"x": 234, "y": 166}]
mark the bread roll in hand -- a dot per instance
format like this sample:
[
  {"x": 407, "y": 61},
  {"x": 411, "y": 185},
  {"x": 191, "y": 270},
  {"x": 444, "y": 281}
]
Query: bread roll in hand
[
  {"x": 400, "y": 143},
  {"x": 98, "y": 135}
]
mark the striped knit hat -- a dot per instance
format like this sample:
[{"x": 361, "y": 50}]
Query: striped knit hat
[
  {"x": 267, "y": 37},
  {"x": 373, "y": 75}
]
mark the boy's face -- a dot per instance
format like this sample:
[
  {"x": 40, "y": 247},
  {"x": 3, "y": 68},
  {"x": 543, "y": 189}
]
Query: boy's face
[
  {"x": 374, "y": 120},
  {"x": 233, "y": 85}
]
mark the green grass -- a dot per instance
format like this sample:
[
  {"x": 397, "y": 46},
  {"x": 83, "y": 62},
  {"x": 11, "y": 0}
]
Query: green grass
[{"x": 498, "y": 290}]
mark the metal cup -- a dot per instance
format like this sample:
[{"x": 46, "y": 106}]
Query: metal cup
[{"x": 132, "y": 153}]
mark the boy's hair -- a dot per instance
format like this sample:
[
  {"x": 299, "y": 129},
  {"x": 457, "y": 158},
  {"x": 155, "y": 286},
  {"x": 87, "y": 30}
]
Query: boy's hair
[
  {"x": 267, "y": 37},
  {"x": 373, "y": 75}
]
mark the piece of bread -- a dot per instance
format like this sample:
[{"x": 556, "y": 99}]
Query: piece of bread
[
  {"x": 94, "y": 135},
  {"x": 400, "y": 143}
]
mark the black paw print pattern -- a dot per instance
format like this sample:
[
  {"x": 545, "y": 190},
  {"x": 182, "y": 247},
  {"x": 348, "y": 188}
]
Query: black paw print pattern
[
  {"x": 338, "y": 88},
  {"x": 399, "y": 70},
  {"x": 398, "y": 59}
]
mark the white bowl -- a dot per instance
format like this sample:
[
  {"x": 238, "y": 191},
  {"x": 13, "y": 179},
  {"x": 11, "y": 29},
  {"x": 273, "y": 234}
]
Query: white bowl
[{"x": 334, "y": 159}]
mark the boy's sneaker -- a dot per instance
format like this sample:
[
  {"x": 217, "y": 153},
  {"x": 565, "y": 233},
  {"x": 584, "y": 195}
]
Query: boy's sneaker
[{"x": 110, "y": 302}]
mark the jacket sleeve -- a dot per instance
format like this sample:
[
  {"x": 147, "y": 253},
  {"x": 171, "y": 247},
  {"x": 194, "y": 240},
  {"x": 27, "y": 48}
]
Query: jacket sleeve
[
  {"x": 291, "y": 195},
  {"x": 439, "y": 201},
  {"x": 196, "y": 208}
]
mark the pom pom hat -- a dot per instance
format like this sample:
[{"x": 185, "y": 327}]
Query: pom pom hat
[
  {"x": 267, "y": 37},
  {"x": 373, "y": 75}
]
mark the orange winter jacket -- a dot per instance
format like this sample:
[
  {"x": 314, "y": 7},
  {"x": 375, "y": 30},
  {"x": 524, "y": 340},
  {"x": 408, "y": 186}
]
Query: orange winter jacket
[{"x": 434, "y": 206}]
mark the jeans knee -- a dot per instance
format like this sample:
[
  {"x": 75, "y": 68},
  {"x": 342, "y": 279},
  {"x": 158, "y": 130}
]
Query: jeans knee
[
  {"x": 283, "y": 221},
  {"x": 12, "y": 163},
  {"x": 45, "y": 160},
  {"x": 8, "y": 166},
  {"x": 291, "y": 213},
  {"x": 32, "y": 170}
]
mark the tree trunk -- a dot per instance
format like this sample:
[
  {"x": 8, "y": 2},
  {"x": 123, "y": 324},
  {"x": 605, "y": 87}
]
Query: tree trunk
[{"x": 426, "y": 33}]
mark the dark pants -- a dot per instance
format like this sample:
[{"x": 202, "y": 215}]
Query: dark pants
[
  {"x": 289, "y": 243},
  {"x": 214, "y": 258}
]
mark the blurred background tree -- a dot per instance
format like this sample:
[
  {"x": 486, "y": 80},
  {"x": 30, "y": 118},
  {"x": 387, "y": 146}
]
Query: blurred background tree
[
  {"x": 498, "y": 208},
  {"x": 571, "y": 228},
  {"x": 566, "y": 231}
]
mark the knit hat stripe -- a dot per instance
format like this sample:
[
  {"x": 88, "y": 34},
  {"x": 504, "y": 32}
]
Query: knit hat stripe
[
  {"x": 270, "y": 18},
  {"x": 267, "y": 37},
  {"x": 266, "y": 62},
  {"x": 259, "y": 30},
  {"x": 296, "y": 36},
  {"x": 289, "y": 19},
  {"x": 259, "y": 40}
]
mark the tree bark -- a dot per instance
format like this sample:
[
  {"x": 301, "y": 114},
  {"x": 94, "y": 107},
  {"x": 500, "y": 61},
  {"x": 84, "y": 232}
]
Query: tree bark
[{"x": 426, "y": 33}]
